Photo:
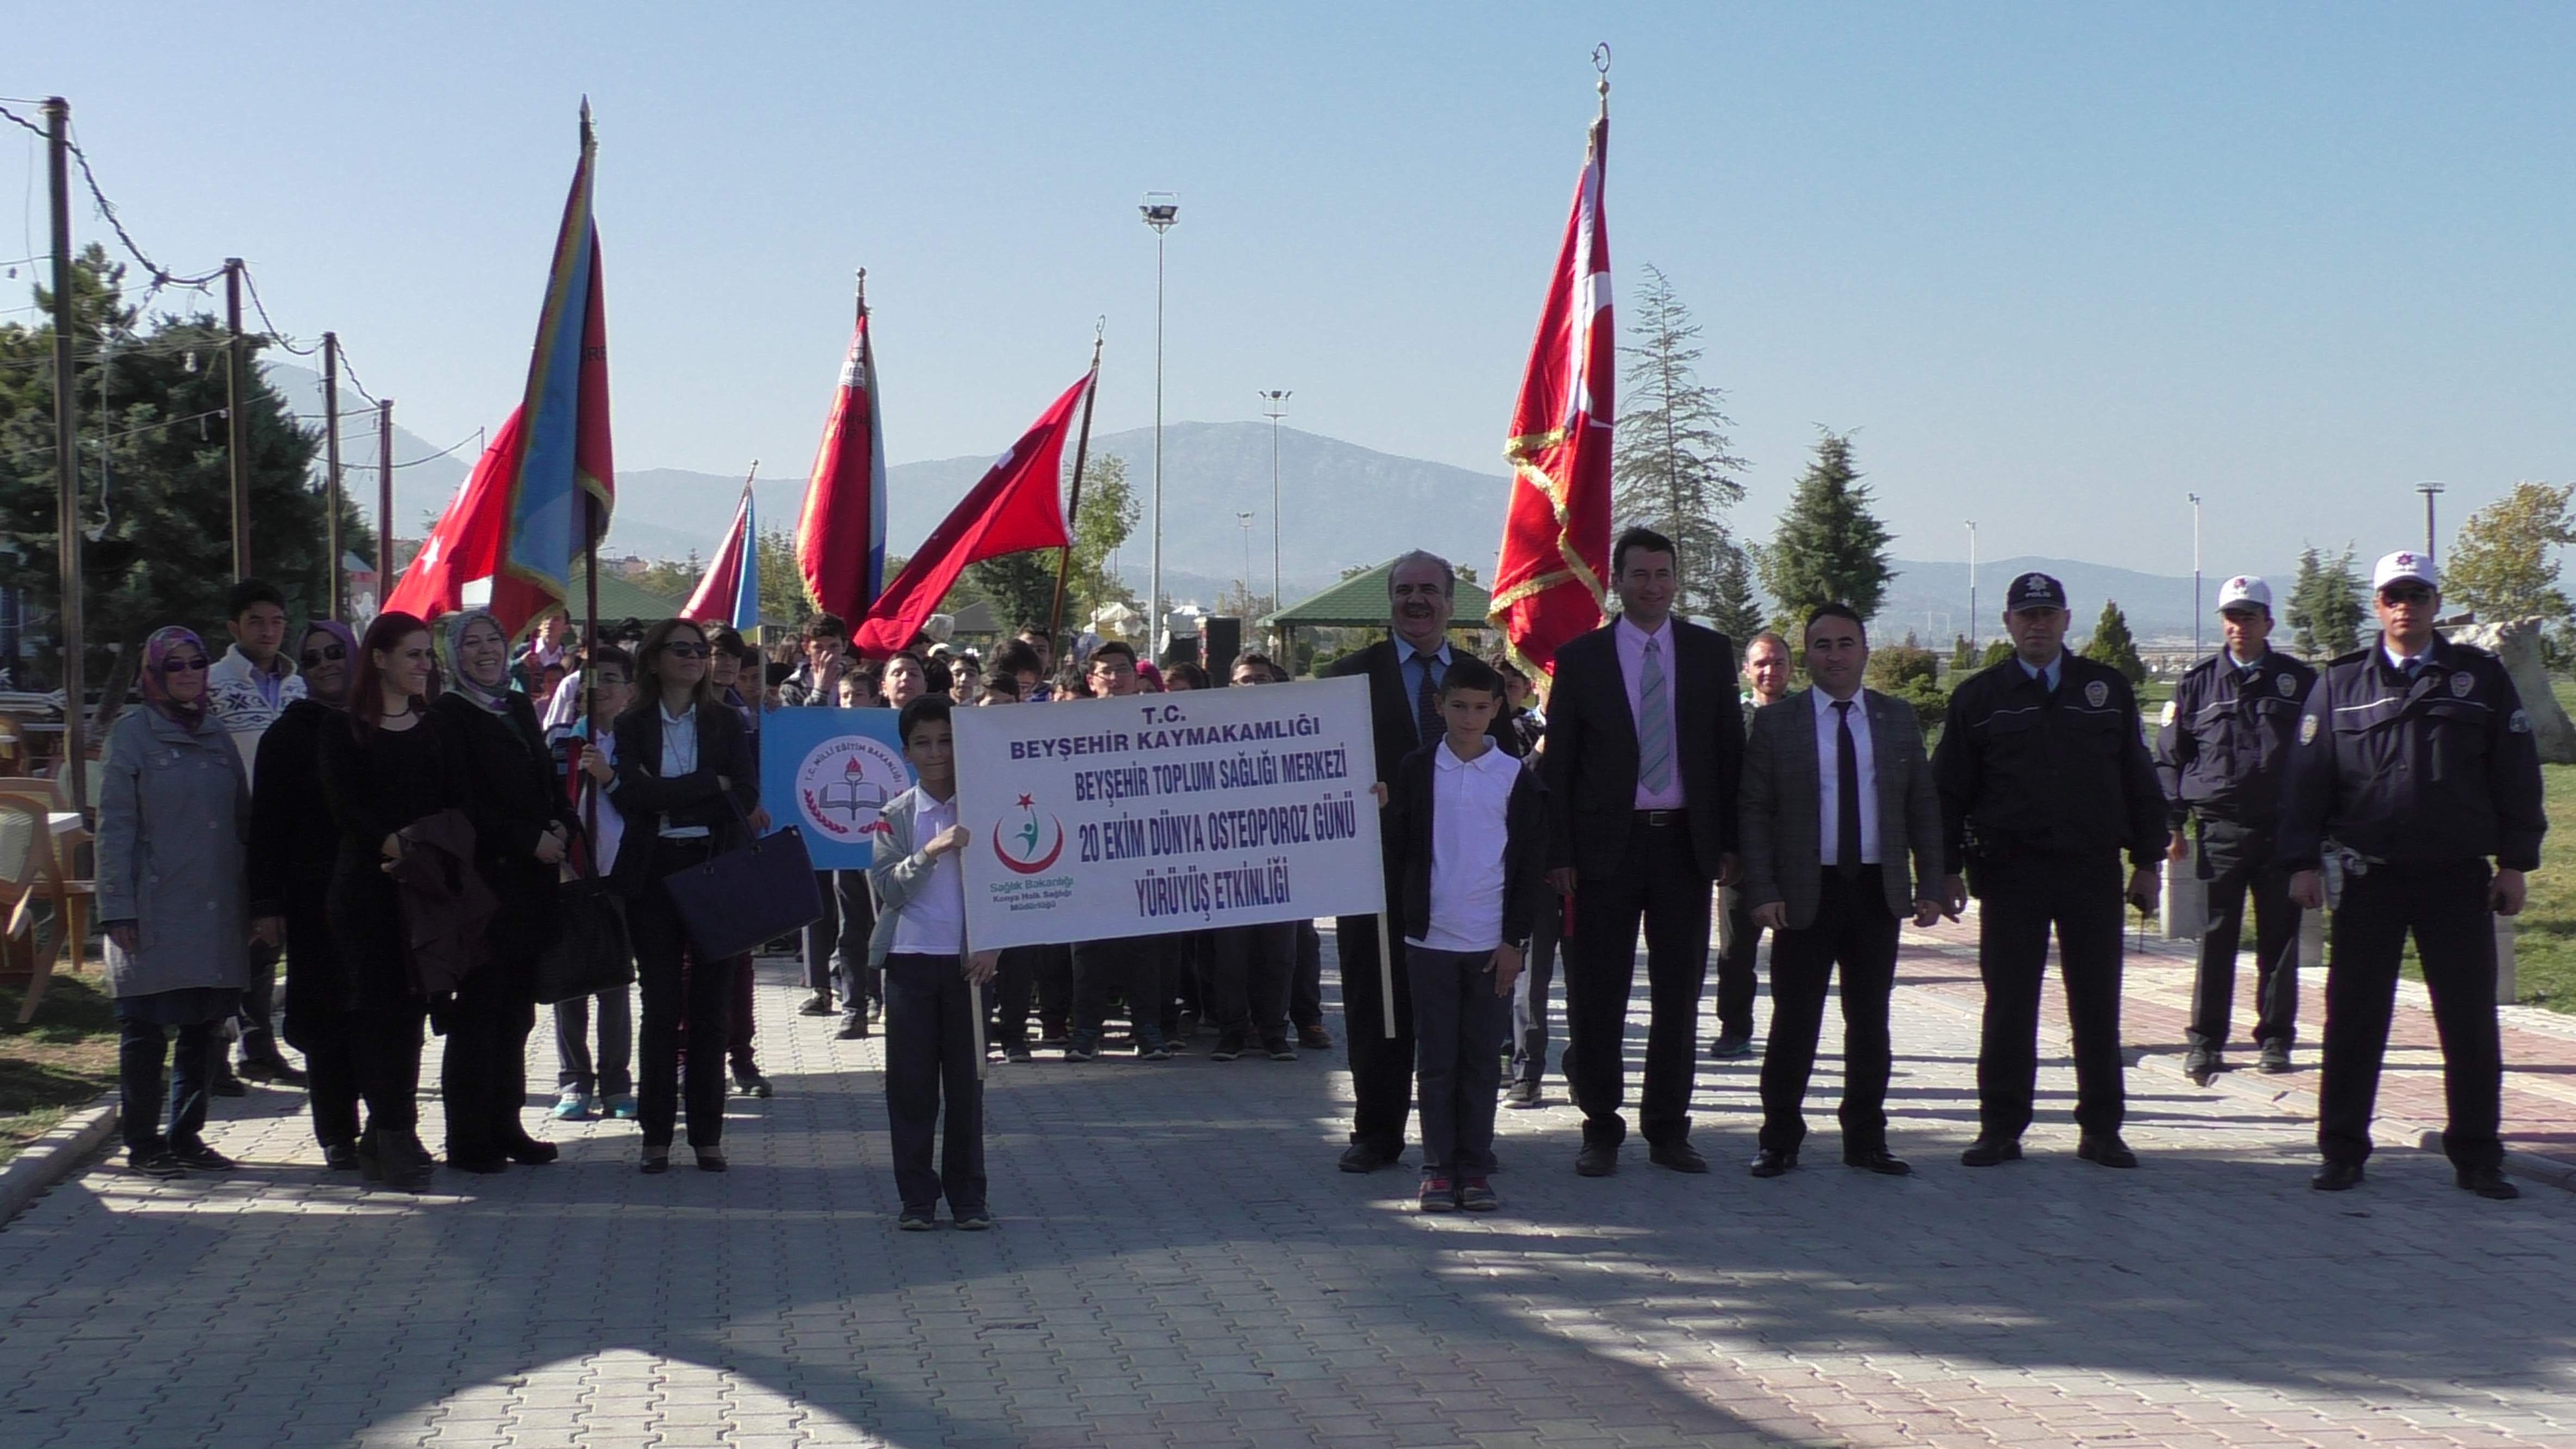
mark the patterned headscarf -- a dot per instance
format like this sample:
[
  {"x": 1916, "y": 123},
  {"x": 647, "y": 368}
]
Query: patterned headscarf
[
  {"x": 451, "y": 641},
  {"x": 157, "y": 650},
  {"x": 348, "y": 651}
]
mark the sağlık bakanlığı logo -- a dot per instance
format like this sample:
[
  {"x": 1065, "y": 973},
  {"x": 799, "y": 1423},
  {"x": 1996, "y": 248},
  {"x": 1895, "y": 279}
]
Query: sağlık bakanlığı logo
[
  {"x": 1015, "y": 839},
  {"x": 844, "y": 781}
]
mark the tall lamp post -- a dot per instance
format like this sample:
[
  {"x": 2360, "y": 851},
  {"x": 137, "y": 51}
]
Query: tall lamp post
[
  {"x": 1274, "y": 406},
  {"x": 2195, "y": 574},
  {"x": 1246, "y": 520},
  {"x": 1972, "y": 583},
  {"x": 1162, "y": 212},
  {"x": 2429, "y": 490}
]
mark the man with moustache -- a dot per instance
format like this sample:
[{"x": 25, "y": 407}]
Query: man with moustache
[
  {"x": 2045, "y": 782},
  {"x": 1404, "y": 673},
  {"x": 1644, "y": 734},
  {"x": 2414, "y": 766}
]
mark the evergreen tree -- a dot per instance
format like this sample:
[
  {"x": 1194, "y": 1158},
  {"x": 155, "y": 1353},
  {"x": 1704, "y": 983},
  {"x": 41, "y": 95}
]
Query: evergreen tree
[
  {"x": 2112, "y": 644},
  {"x": 1670, "y": 468},
  {"x": 2324, "y": 611},
  {"x": 2500, "y": 565},
  {"x": 1019, "y": 586},
  {"x": 156, "y": 511},
  {"x": 1997, "y": 651},
  {"x": 1736, "y": 611},
  {"x": 783, "y": 598},
  {"x": 1964, "y": 658},
  {"x": 1829, "y": 547}
]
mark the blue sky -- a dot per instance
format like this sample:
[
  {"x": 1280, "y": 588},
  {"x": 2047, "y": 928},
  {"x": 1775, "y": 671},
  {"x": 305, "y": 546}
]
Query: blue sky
[{"x": 2057, "y": 265}]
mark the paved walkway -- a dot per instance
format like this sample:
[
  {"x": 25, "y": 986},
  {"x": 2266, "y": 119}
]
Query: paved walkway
[{"x": 1178, "y": 1263}]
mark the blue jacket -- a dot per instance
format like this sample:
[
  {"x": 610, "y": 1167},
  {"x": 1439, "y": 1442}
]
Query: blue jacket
[{"x": 2226, "y": 740}]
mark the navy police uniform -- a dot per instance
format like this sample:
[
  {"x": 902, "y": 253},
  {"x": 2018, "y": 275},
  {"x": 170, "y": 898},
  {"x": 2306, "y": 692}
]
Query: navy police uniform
[
  {"x": 2221, "y": 756},
  {"x": 2413, "y": 778},
  {"x": 2041, "y": 791}
]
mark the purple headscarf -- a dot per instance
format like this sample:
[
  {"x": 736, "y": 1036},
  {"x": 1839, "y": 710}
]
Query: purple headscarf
[
  {"x": 157, "y": 650},
  {"x": 348, "y": 652}
]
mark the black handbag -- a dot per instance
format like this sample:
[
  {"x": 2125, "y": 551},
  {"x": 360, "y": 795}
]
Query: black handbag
[
  {"x": 592, "y": 954},
  {"x": 753, "y": 893}
]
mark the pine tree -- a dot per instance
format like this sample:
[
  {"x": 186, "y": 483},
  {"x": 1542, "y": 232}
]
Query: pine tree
[
  {"x": 1736, "y": 611},
  {"x": 1671, "y": 468},
  {"x": 1020, "y": 586},
  {"x": 1964, "y": 658},
  {"x": 2112, "y": 644},
  {"x": 1829, "y": 547},
  {"x": 2324, "y": 610}
]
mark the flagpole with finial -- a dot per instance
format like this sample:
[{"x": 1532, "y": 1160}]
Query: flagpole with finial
[
  {"x": 1073, "y": 507},
  {"x": 589, "y": 637}
]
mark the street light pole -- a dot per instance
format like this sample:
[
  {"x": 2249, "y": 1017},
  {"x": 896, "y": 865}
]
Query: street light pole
[
  {"x": 2195, "y": 574},
  {"x": 2429, "y": 490},
  {"x": 1162, "y": 211},
  {"x": 1245, "y": 519},
  {"x": 1274, "y": 406},
  {"x": 1972, "y": 583}
]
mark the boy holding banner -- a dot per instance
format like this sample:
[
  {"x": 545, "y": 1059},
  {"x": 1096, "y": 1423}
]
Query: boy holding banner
[
  {"x": 1467, "y": 825},
  {"x": 932, "y": 985}
]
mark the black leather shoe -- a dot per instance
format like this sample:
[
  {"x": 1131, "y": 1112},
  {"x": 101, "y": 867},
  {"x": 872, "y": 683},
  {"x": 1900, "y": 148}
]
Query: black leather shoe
[
  {"x": 2106, "y": 1149},
  {"x": 2337, "y": 1177},
  {"x": 272, "y": 1070},
  {"x": 1314, "y": 1039},
  {"x": 223, "y": 1083},
  {"x": 1989, "y": 1151},
  {"x": 1771, "y": 1163},
  {"x": 1364, "y": 1157},
  {"x": 529, "y": 1152},
  {"x": 2276, "y": 1057},
  {"x": 1877, "y": 1159},
  {"x": 1597, "y": 1159},
  {"x": 340, "y": 1157},
  {"x": 2484, "y": 1181},
  {"x": 2200, "y": 1064},
  {"x": 1679, "y": 1156},
  {"x": 854, "y": 1026},
  {"x": 1521, "y": 1095}
]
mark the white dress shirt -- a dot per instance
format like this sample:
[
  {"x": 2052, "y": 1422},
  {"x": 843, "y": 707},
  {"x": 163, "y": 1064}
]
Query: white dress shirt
[
  {"x": 1829, "y": 778},
  {"x": 1631, "y": 642},
  {"x": 679, "y": 757},
  {"x": 1471, "y": 804},
  {"x": 933, "y": 922}
]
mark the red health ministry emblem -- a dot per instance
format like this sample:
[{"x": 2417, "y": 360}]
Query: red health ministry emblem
[{"x": 1016, "y": 845}]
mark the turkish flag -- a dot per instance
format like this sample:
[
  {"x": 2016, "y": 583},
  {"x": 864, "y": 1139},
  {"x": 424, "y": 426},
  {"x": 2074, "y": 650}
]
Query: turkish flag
[
  {"x": 1556, "y": 533},
  {"x": 459, "y": 562},
  {"x": 1019, "y": 505},
  {"x": 840, "y": 536}
]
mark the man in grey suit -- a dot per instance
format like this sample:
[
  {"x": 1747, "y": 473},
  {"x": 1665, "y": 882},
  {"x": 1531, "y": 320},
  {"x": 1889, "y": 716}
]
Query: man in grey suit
[{"x": 1836, "y": 790}]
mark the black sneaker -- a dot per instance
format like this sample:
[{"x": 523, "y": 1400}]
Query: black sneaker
[
  {"x": 915, "y": 1222},
  {"x": 1314, "y": 1038},
  {"x": 1084, "y": 1046},
  {"x": 1017, "y": 1051},
  {"x": 1153, "y": 1049},
  {"x": 750, "y": 1083},
  {"x": 1279, "y": 1049},
  {"x": 1439, "y": 1193},
  {"x": 157, "y": 1162},
  {"x": 1228, "y": 1048},
  {"x": 854, "y": 1027},
  {"x": 202, "y": 1158},
  {"x": 1730, "y": 1045},
  {"x": 1523, "y": 1095}
]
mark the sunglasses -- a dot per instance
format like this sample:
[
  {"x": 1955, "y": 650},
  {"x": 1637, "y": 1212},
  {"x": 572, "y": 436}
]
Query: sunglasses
[
  {"x": 686, "y": 650},
  {"x": 327, "y": 654},
  {"x": 2405, "y": 596},
  {"x": 183, "y": 666}
]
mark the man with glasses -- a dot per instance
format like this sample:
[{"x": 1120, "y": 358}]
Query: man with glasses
[
  {"x": 2414, "y": 766},
  {"x": 2225, "y": 742}
]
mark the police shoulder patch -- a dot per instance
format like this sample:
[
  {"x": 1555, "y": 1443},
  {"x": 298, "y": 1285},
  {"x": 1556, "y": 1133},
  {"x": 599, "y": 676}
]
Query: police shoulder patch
[
  {"x": 2096, "y": 693},
  {"x": 2520, "y": 723},
  {"x": 2308, "y": 729},
  {"x": 2286, "y": 684},
  {"x": 2462, "y": 681}
]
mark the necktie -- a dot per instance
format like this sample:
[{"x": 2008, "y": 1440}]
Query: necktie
[
  {"x": 1426, "y": 704},
  {"x": 1654, "y": 723},
  {"x": 1846, "y": 793}
]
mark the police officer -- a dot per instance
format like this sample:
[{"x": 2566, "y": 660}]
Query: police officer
[
  {"x": 2414, "y": 765},
  {"x": 2220, "y": 756},
  {"x": 2045, "y": 780}
]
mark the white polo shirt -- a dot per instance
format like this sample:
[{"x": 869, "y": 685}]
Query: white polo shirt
[{"x": 1471, "y": 803}]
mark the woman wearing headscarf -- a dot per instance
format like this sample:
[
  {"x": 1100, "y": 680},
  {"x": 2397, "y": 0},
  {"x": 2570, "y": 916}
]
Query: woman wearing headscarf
[
  {"x": 521, "y": 828},
  {"x": 381, "y": 771},
  {"x": 293, "y": 845},
  {"x": 173, "y": 811}
]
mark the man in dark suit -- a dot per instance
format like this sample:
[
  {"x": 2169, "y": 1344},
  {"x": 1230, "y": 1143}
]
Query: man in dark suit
[
  {"x": 1404, "y": 674},
  {"x": 1644, "y": 735},
  {"x": 1837, "y": 789}
]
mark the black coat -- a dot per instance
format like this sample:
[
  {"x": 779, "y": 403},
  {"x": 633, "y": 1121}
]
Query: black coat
[
  {"x": 294, "y": 844},
  {"x": 1410, "y": 814},
  {"x": 1590, "y": 763},
  {"x": 2024, "y": 772},
  {"x": 2225, "y": 745},
  {"x": 510, "y": 793},
  {"x": 1395, "y": 732},
  {"x": 643, "y": 796},
  {"x": 375, "y": 785}
]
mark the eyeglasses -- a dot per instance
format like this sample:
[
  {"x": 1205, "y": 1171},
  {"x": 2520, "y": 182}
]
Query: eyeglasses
[
  {"x": 2405, "y": 596},
  {"x": 182, "y": 666},
  {"x": 327, "y": 654},
  {"x": 685, "y": 650}
]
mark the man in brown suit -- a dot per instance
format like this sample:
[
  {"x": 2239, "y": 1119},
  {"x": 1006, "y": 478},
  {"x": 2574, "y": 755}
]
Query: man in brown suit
[{"x": 1836, "y": 789}]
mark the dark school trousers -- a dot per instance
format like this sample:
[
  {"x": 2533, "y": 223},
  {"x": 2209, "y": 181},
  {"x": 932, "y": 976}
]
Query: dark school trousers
[
  {"x": 1248, "y": 972},
  {"x": 1658, "y": 881},
  {"x": 1529, "y": 994},
  {"x": 2444, "y": 905},
  {"x": 1854, "y": 930},
  {"x": 1381, "y": 1065},
  {"x": 930, "y": 1064},
  {"x": 1306, "y": 989},
  {"x": 609, "y": 1074},
  {"x": 143, "y": 1048},
  {"x": 483, "y": 1075},
  {"x": 678, "y": 994},
  {"x": 836, "y": 942},
  {"x": 2019, "y": 899},
  {"x": 2236, "y": 861},
  {"x": 1737, "y": 981},
  {"x": 1138, "y": 965},
  {"x": 1032, "y": 978},
  {"x": 1457, "y": 1020}
]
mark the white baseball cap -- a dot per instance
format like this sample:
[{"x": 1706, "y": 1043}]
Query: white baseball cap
[
  {"x": 2403, "y": 567},
  {"x": 2244, "y": 589}
]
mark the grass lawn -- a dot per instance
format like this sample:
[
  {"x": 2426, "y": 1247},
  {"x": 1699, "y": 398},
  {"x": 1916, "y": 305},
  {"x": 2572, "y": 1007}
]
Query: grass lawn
[
  {"x": 2544, "y": 949},
  {"x": 61, "y": 1060}
]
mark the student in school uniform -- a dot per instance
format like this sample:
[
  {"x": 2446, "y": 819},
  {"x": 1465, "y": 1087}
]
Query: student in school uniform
[
  {"x": 931, "y": 984},
  {"x": 1468, "y": 827}
]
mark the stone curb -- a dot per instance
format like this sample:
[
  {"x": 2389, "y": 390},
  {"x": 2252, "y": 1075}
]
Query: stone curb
[{"x": 55, "y": 1156}]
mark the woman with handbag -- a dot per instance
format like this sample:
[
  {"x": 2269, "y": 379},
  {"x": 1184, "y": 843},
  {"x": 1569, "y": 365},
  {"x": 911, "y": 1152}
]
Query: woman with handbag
[
  {"x": 382, "y": 770},
  {"x": 685, "y": 785},
  {"x": 520, "y": 835}
]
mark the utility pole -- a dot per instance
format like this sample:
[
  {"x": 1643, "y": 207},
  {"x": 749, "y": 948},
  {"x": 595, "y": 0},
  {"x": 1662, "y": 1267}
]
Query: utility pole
[
  {"x": 339, "y": 604},
  {"x": 2430, "y": 491},
  {"x": 67, "y": 532},
  {"x": 236, "y": 420},
  {"x": 1274, "y": 406},
  {"x": 384, "y": 502},
  {"x": 2195, "y": 574},
  {"x": 1972, "y": 583}
]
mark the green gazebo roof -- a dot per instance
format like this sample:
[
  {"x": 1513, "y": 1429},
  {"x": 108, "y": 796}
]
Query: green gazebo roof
[{"x": 1360, "y": 601}]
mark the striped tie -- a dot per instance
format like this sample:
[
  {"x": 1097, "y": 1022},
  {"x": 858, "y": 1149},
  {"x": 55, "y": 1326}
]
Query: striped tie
[{"x": 1654, "y": 723}]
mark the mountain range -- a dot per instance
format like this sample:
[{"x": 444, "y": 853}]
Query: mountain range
[{"x": 1344, "y": 506}]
